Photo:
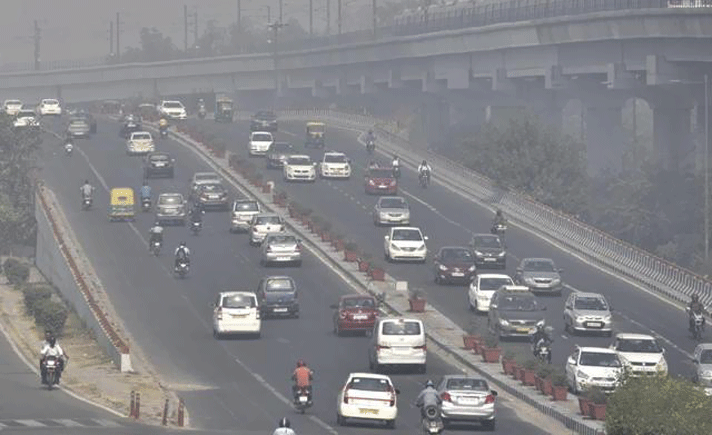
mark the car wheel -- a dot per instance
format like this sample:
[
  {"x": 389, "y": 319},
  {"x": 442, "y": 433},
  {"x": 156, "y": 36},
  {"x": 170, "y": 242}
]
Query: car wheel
[
  {"x": 567, "y": 328},
  {"x": 216, "y": 335},
  {"x": 296, "y": 315},
  {"x": 341, "y": 421},
  {"x": 391, "y": 424},
  {"x": 489, "y": 425}
]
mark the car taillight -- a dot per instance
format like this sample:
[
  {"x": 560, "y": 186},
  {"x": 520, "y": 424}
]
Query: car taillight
[
  {"x": 298, "y": 248},
  {"x": 346, "y": 396},
  {"x": 446, "y": 397},
  {"x": 371, "y": 182},
  {"x": 393, "y": 397},
  {"x": 343, "y": 314},
  {"x": 393, "y": 182},
  {"x": 378, "y": 347},
  {"x": 257, "y": 313},
  {"x": 489, "y": 398},
  {"x": 423, "y": 347},
  {"x": 269, "y": 248},
  {"x": 220, "y": 314}
]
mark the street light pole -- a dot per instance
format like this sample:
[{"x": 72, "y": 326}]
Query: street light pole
[
  {"x": 707, "y": 171},
  {"x": 276, "y": 27}
]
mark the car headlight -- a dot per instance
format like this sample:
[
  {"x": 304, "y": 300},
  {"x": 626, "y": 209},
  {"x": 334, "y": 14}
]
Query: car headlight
[
  {"x": 529, "y": 280},
  {"x": 383, "y": 215},
  {"x": 540, "y": 322},
  {"x": 662, "y": 365},
  {"x": 582, "y": 375},
  {"x": 421, "y": 247},
  {"x": 471, "y": 268},
  {"x": 502, "y": 254},
  {"x": 394, "y": 247},
  {"x": 607, "y": 319},
  {"x": 441, "y": 267},
  {"x": 478, "y": 253},
  {"x": 707, "y": 374},
  {"x": 556, "y": 281},
  {"x": 503, "y": 322}
]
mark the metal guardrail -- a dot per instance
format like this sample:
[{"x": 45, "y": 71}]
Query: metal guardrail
[{"x": 594, "y": 245}]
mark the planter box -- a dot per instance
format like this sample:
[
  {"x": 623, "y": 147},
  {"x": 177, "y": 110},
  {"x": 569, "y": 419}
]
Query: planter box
[
  {"x": 491, "y": 354},
  {"x": 598, "y": 411},
  {"x": 338, "y": 244},
  {"x": 547, "y": 388},
  {"x": 292, "y": 212},
  {"x": 362, "y": 266},
  {"x": 507, "y": 366},
  {"x": 377, "y": 274},
  {"x": 325, "y": 237},
  {"x": 417, "y": 305},
  {"x": 350, "y": 256},
  {"x": 529, "y": 378},
  {"x": 538, "y": 382},
  {"x": 266, "y": 188},
  {"x": 470, "y": 341},
  {"x": 559, "y": 392},
  {"x": 520, "y": 374},
  {"x": 584, "y": 406}
]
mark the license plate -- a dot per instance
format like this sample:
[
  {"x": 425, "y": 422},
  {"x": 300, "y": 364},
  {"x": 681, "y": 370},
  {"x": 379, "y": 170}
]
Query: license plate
[
  {"x": 283, "y": 258},
  {"x": 490, "y": 259},
  {"x": 368, "y": 411},
  {"x": 280, "y": 310},
  {"x": 383, "y": 187},
  {"x": 594, "y": 325},
  {"x": 160, "y": 165},
  {"x": 360, "y": 317},
  {"x": 469, "y": 401},
  {"x": 239, "y": 315},
  {"x": 303, "y": 399},
  {"x": 522, "y": 329},
  {"x": 458, "y": 274}
]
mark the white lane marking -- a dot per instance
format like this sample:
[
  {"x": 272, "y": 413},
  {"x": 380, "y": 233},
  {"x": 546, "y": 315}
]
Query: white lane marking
[
  {"x": 68, "y": 422},
  {"x": 31, "y": 423},
  {"x": 106, "y": 423}
]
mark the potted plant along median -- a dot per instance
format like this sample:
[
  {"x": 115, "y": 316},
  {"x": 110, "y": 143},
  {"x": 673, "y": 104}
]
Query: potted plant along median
[
  {"x": 542, "y": 375},
  {"x": 530, "y": 366},
  {"x": 337, "y": 241},
  {"x": 596, "y": 406},
  {"x": 350, "y": 251},
  {"x": 324, "y": 231},
  {"x": 363, "y": 262},
  {"x": 508, "y": 362},
  {"x": 280, "y": 198},
  {"x": 314, "y": 223},
  {"x": 559, "y": 385},
  {"x": 305, "y": 215},
  {"x": 376, "y": 271},
  {"x": 294, "y": 209},
  {"x": 470, "y": 339},
  {"x": 417, "y": 301},
  {"x": 491, "y": 351}
]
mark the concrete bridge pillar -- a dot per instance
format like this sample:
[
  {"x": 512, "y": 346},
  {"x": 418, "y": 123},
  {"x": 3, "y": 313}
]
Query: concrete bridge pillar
[
  {"x": 699, "y": 131},
  {"x": 434, "y": 113},
  {"x": 672, "y": 136},
  {"x": 605, "y": 144}
]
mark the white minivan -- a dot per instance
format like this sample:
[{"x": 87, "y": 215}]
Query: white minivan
[
  {"x": 236, "y": 312},
  {"x": 397, "y": 341}
]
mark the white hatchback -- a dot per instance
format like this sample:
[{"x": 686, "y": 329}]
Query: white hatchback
[
  {"x": 405, "y": 243},
  {"x": 236, "y": 312},
  {"x": 641, "y": 354},
  {"x": 12, "y": 107},
  {"x": 593, "y": 367},
  {"x": 299, "y": 168},
  {"x": 368, "y": 396},
  {"x": 172, "y": 109},
  {"x": 483, "y": 287},
  {"x": 260, "y": 142},
  {"x": 140, "y": 142},
  {"x": 49, "y": 106},
  {"x": 335, "y": 165}
]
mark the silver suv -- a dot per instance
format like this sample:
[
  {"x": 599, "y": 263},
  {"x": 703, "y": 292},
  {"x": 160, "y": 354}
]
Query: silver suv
[
  {"x": 243, "y": 210},
  {"x": 263, "y": 224},
  {"x": 587, "y": 312},
  {"x": 170, "y": 207}
]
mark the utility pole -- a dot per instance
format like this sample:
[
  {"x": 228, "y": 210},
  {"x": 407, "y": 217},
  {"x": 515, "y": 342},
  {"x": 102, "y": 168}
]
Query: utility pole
[
  {"x": 281, "y": 6},
  {"x": 338, "y": 18},
  {"x": 185, "y": 28},
  {"x": 195, "y": 27},
  {"x": 275, "y": 28},
  {"x": 311, "y": 18},
  {"x": 239, "y": 17},
  {"x": 269, "y": 14},
  {"x": 118, "y": 36},
  {"x": 328, "y": 17},
  {"x": 111, "y": 38},
  {"x": 38, "y": 38},
  {"x": 375, "y": 23},
  {"x": 707, "y": 170}
]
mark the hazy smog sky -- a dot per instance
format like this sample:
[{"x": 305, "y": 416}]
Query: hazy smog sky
[{"x": 79, "y": 29}]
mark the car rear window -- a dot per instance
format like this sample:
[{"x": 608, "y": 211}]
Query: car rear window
[
  {"x": 518, "y": 303},
  {"x": 246, "y": 206},
  {"x": 279, "y": 285},
  {"x": 264, "y": 220},
  {"x": 380, "y": 173},
  {"x": 393, "y": 203},
  {"x": 280, "y": 147},
  {"x": 590, "y": 303},
  {"x": 142, "y": 136},
  {"x": 206, "y": 177},
  {"x": 539, "y": 266},
  {"x": 172, "y": 105},
  {"x": 642, "y": 345},
  {"x": 170, "y": 200},
  {"x": 159, "y": 157},
  {"x": 488, "y": 242},
  {"x": 239, "y": 301},
  {"x": 212, "y": 188},
  {"x": 457, "y": 255},
  {"x": 26, "y": 114},
  {"x": 706, "y": 357},
  {"x": 358, "y": 303},
  {"x": 370, "y": 384},
  {"x": 596, "y": 359},
  {"x": 407, "y": 235},
  {"x": 335, "y": 158},
  {"x": 303, "y": 161},
  {"x": 262, "y": 137},
  {"x": 466, "y": 384},
  {"x": 494, "y": 283},
  {"x": 401, "y": 328},
  {"x": 282, "y": 239}
]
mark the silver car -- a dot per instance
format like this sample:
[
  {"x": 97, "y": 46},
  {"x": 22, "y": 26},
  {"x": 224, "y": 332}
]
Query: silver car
[
  {"x": 391, "y": 210},
  {"x": 467, "y": 399},
  {"x": 243, "y": 211},
  {"x": 587, "y": 312},
  {"x": 78, "y": 127},
  {"x": 170, "y": 207},
  {"x": 540, "y": 275},
  {"x": 281, "y": 248},
  {"x": 702, "y": 359},
  {"x": 263, "y": 224}
]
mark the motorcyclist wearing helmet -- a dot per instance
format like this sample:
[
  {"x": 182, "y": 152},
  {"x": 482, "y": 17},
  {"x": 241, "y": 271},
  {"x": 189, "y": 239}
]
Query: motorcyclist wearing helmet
[
  {"x": 499, "y": 218},
  {"x": 196, "y": 213},
  {"x": 696, "y": 307},
  {"x": 145, "y": 191},
  {"x": 182, "y": 254},
  {"x": 302, "y": 377},
  {"x": 52, "y": 349},
  {"x": 163, "y": 123},
  {"x": 373, "y": 165},
  {"x": 86, "y": 190},
  {"x": 428, "y": 397},
  {"x": 156, "y": 234},
  {"x": 396, "y": 161},
  {"x": 541, "y": 336},
  {"x": 370, "y": 138},
  {"x": 285, "y": 428},
  {"x": 425, "y": 169}
]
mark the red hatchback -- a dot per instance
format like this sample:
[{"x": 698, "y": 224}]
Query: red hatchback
[
  {"x": 380, "y": 181},
  {"x": 355, "y": 313}
]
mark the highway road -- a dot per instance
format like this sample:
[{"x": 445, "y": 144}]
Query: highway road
[
  {"x": 448, "y": 219},
  {"x": 229, "y": 384}
]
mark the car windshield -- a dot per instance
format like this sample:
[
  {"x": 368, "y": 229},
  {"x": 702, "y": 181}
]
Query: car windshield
[
  {"x": 281, "y": 239},
  {"x": 265, "y": 115},
  {"x": 518, "y": 303},
  {"x": 246, "y": 206},
  {"x": 596, "y": 359},
  {"x": 316, "y": 128},
  {"x": 358, "y": 303},
  {"x": 539, "y": 266},
  {"x": 141, "y": 136},
  {"x": 159, "y": 157},
  {"x": 335, "y": 158},
  {"x": 487, "y": 242},
  {"x": 370, "y": 384},
  {"x": 494, "y": 283},
  {"x": 642, "y": 345},
  {"x": 50, "y": 102},
  {"x": 262, "y": 137},
  {"x": 205, "y": 177},
  {"x": 590, "y": 303},
  {"x": 26, "y": 114},
  {"x": 264, "y": 220},
  {"x": 77, "y": 122},
  {"x": 238, "y": 301},
  {"x": 13, "y": 103},
  {"x": 212, "y": 188},
  {"x": 279, "y": 147},
  {"x": 380, "y": 173},
  {"x": 461, "y": 255},
  {"x": 299, "y": 161},
  {"x": 170, "y": 199},
  {"x": 172, "y": 105},
  {"x": 706, "y": 357},
  {"x": 279, "y": 285},
  {"x": 401, "y": 328},
  {"x": 224, "y": 105},
  {"x": 393, "y": 203},
  {"x": 407, "y": 235},
  {"x": 467, "y": 384}
]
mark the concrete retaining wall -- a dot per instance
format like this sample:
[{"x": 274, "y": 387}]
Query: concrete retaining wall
[{"x": 58, "y": 257}]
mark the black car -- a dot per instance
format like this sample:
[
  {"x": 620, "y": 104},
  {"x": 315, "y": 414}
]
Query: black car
[
  {"x": 89, "y": 118},
  {"x": 129, "y": 125},
  {"x": 264, "y": 120},
  {"x": 514, "y": 312},
  {"x": 277, "y": 296},
  {"x": 488, "y": 251},
  {"x": 158, "y": 164},
  {"x": 277, "y": 154},
  {"x": 454, "y": 264}
]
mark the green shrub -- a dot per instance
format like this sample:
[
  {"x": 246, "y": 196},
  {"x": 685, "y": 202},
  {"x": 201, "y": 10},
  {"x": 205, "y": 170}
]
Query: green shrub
[
  {"x": 530, "y": 364},
  {"x": 33, "y": 295},
  {"x": 51, "y": 315},
  {"x": 16, "y": 272},
  {"x": 544, "y": 370},
  {"x": 558, "y": 378}
]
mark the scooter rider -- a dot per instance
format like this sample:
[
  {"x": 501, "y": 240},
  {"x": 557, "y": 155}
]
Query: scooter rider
[
  {"x": 196, "y": 213},
  {"x": 541, "y": 336},
  {"x": 373, "y": 165},
  {"x": 499, "y": 218},
  {"x": 396, "y": 162},
  {"x": 696, "y": 307},
  {"x": 156, "y": 234},
  {"x": 86, "y": 190},
  {"x": 428, "y": 397},
  {"x": 145, "y": 191},
  {"x": 285, "y": 428},
  {"x": 163, "y": 123},
  {"x": 52, "y": 349},
  {"x": 182, "y": 254},
  {"x": 424, "y": 169},
  {"x": 302, "y": 377}
]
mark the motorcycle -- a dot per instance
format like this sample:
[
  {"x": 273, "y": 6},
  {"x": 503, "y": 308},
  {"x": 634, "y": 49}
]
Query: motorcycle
[
  {"x": 302, "y": 399},
  {"x": 499, "y": 230},
  {"x": 370, "y": 146},
  {"x": 431, "y": 421},
  {"x": 164, "y": 132},
  {"x": 396, "y": 172},
  {"x": 156, "y": 247},
  {"x": 182, "y": 269},
  {"x": 68, "y": 148},
  {"x": 51, "y": 369},
  {"x": 86, "y": 203},
  {"x": 698, "y": 324},
  {"x": 543, "y": 352},
  {"x": 146, "y": 205},
  {"x": 202, "y": 112},
  {"x": 424, "y": 178},
  {"x": 196, "y": 226}
]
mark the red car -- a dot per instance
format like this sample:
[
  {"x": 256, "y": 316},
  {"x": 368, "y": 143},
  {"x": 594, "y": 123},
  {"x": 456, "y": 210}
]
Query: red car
[
  {"x": 355, "y": 313},
  {"x": 380, "y": 181}
]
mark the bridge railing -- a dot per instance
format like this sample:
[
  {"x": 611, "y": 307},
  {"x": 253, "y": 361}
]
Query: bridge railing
[{"x": 586, "y": 242}]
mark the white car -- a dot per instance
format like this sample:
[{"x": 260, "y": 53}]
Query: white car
[
  {"x": 12, "y": 107},
  {"x": 260, "y": 142},
  {"x": 405, "y": 243},
  {"x": 335, "y": 165},
  {"x": 26, "y": 118},
  {"x": 172, "y": 109},
  {"x": 299, "y": 168},
  {"x": 49, "y": 106},
  {"x": 140, "y": 142},
  {"x": 201, "y": 178},
  {"x": 263, "y": 224},
  {"x": 483, "y": 287},
  {"x": 398, "y": 341},
  {"x": 641, "y": 354},
  {"x": 587, "y": 312},
  {"x": 367, "y": 396},
  {"x": 243, "y": 210},
  {"x": 236, "y": 313},
  {"x": 593, "y": 367}
]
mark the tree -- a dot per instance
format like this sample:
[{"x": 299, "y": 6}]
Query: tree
[
  {"x": 528, "y": 156},
  {"x": 658, "y": 405},
  {"x": 154, "y": 48}
]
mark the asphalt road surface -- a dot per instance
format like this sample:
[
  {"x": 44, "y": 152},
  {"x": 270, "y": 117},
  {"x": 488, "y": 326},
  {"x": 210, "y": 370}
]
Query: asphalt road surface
[{"x": 228, "y": 384}]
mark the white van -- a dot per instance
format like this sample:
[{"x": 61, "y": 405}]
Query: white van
[
  {"x": 236, "y": 313},
  {"x": 397, "y": 341}
]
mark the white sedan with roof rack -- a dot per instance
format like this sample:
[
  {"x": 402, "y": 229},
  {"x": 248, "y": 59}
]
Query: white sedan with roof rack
[
  {"x": 335, "y": 165},
  {"x": 368, "y": 396},
  {"x": 236, "y": 312}
]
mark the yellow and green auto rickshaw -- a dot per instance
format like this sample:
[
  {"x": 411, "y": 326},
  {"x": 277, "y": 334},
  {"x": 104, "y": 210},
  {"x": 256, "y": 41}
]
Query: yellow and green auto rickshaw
[
  {"x": 316, "y": 132},
  {"x": 121, "y": 204},
  {"x": 223, "y": 110}
]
